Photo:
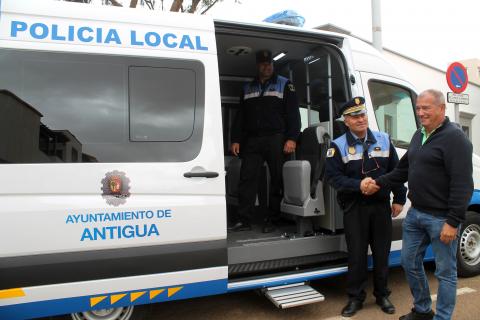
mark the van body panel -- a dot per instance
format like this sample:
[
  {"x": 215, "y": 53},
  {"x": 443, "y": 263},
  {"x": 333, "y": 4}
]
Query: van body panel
[{"x": 64, "y": 227}]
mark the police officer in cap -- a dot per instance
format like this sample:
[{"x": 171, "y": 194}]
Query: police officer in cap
[
  {"x": 266, "y": 128},
  {"x": 357, "y": 154}
]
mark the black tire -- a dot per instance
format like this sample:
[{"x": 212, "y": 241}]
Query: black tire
[
  {"x": 140, "y": 312},
  {"x": 468, "y": 251}
]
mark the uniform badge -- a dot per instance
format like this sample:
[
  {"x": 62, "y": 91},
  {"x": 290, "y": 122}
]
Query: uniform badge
[
  {"x": 291, "y": 87},
  {"x": 377, "y": 149},
  {"x": 330, "y": 152},
  {"x": 115, "y": 188},
  {"x": 351, "y": 150}
]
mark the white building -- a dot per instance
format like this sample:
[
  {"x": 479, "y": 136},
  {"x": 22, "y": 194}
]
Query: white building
[
  {"x": 473, "y": 69},
  {"x": 424, "y": 77}
]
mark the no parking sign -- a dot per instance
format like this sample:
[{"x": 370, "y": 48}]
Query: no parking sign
[{"x": 457, "y": 77}]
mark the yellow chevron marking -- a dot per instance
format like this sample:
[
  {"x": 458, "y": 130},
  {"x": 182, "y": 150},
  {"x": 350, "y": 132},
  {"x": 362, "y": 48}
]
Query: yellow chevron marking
[
  {"x": 96, "y": 300},
  {"x": 12, "y": 293},
  {"x": 135, "y": 295},
  {"x": 172, "y": 291},
  {"x": 114, "y": 298},
  {"x": 154, "y": 293}
]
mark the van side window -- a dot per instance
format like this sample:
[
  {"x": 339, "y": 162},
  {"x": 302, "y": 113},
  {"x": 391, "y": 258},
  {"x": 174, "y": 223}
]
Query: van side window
[
  {"x": 314, "y": 117},
  {"x": 394, "y": 111},
  {"x": 162, "y": 104},
  {"x": 62, "y": 107}
]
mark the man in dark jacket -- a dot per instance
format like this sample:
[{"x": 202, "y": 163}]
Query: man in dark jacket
[
  {"x": 266, "y": 128},
  {"x": 438, "y": 167},
  {"x": 357, "y": 154}
]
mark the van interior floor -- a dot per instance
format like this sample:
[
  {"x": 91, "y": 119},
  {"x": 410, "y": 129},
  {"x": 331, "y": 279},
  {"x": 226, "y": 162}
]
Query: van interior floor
[
  {"x": 239, "y": 238},
  {"x": 253, "y": 252}
]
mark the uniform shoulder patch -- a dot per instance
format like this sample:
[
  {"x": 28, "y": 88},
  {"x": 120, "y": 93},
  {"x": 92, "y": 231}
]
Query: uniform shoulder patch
[
  {"x": 330, "y": 152},
  {"x": 291, "y": 87}
]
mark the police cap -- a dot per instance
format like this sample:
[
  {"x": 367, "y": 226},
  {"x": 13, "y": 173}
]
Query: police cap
[
  {"x": 263, "y": 56},
  {"x": 353, "y": 107}
]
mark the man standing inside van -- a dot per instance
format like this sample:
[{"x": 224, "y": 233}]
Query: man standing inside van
[
  {"x": 266, "y": 128},
  {"x": 357, "y": 154},
  {"x": 438, "y": 167}
]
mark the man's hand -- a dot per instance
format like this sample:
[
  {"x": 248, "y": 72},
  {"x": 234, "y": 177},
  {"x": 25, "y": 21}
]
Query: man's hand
[
  {"x": 448, "y": 233},
  {"x": 289, "y": 146},
  {"x": 235, "y": 148},
  {"x": 396, "y": 209},
  {"x": 368, "y": 186}
]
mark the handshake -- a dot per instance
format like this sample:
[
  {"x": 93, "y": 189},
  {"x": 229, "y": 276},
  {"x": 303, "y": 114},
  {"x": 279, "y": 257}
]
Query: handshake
[{"x": 368, "y": 186}]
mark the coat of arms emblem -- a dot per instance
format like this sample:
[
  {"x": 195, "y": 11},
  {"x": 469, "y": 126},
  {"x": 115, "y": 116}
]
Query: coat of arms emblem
[{"x": 115, "y": 188}]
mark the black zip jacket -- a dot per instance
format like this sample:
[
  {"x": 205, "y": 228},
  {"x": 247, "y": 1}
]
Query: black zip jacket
[
  {"x": 267, "y": 109},
  {"x": 439, "y": 173}
]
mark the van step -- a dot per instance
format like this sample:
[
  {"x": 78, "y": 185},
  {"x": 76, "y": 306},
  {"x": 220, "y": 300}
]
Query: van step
[
  {"x": 293, "y": 295},
  {"x": 278, "y": 265}
]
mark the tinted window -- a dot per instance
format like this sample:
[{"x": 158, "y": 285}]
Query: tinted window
[
  {"x": 58, "y": 107},
  {"x": 167, "y": 114},
  {"x": 394, "y": 111}
]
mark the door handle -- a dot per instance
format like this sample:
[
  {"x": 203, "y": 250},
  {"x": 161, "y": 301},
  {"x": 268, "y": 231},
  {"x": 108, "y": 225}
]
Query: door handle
[{"x": 202, "y": 174}]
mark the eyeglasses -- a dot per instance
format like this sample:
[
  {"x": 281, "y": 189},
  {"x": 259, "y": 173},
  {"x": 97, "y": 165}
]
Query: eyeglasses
[{"x": 377, "y": 166}]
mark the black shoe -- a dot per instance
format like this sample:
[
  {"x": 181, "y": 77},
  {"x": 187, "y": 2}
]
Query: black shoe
[
  {"x": 268, "y": 227},
  {"x": 351, "y": 308},
  {"x": 386, "y": 305},
  {"x": 240, "y": 226},
  {"x": 414, "y": 315}
]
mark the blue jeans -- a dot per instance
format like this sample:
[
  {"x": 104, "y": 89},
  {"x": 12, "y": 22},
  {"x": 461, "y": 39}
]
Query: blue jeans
[{"x": 420, "y": 230}]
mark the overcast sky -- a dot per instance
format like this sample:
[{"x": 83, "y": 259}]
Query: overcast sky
[{"x": 436, "y": 32}]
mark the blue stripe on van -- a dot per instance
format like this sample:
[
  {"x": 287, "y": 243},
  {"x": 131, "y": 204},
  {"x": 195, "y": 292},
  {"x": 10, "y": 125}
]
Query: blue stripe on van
[
  {"x": 300, "y": 278},
  {"x": 77, "y": 304},
  {"x": 475, "y": 197},
  {"x": 395, "y": 258}
]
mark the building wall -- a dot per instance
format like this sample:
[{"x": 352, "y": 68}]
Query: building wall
[
  {"x": 425, "y": 77},
  {"x": 19, "y": 131},
  {"x": 473, "y": 69}
]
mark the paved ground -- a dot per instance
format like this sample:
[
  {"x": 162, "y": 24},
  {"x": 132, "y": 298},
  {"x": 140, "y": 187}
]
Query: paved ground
[{"x": 252, "y": 306}]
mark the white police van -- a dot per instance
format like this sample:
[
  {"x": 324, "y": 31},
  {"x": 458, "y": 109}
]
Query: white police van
[{"x": 114, "y": 147}]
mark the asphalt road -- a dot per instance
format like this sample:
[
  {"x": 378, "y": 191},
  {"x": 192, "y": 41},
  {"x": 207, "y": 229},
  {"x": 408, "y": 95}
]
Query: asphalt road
[{"x": 250, "y": 305}]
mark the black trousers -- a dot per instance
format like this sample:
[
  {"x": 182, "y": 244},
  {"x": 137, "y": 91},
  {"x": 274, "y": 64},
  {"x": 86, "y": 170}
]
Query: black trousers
[
  {"x": 368, "y": 224},
  {"x": 254, "y": 152}
]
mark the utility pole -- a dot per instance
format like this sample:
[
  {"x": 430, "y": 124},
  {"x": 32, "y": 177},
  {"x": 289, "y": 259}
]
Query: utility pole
[{"x": 377, "y": 25}]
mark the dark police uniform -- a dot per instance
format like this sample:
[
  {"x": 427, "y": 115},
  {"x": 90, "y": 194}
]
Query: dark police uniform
[
  {"x": 367, "y": 219},
  {"x": 267, "y": 118}
]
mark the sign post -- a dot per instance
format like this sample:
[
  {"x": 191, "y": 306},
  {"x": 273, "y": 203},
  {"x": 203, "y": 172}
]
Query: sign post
[{"x": 457, "y": 80}]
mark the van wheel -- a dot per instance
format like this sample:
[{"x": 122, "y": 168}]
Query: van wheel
[
  {"x": 122, "y": 313},
  {"x": 468, "y": 251}
]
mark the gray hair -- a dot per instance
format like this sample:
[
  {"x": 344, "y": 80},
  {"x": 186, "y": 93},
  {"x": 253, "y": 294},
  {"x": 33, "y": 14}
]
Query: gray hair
[{"x": 436, "y": 94}]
